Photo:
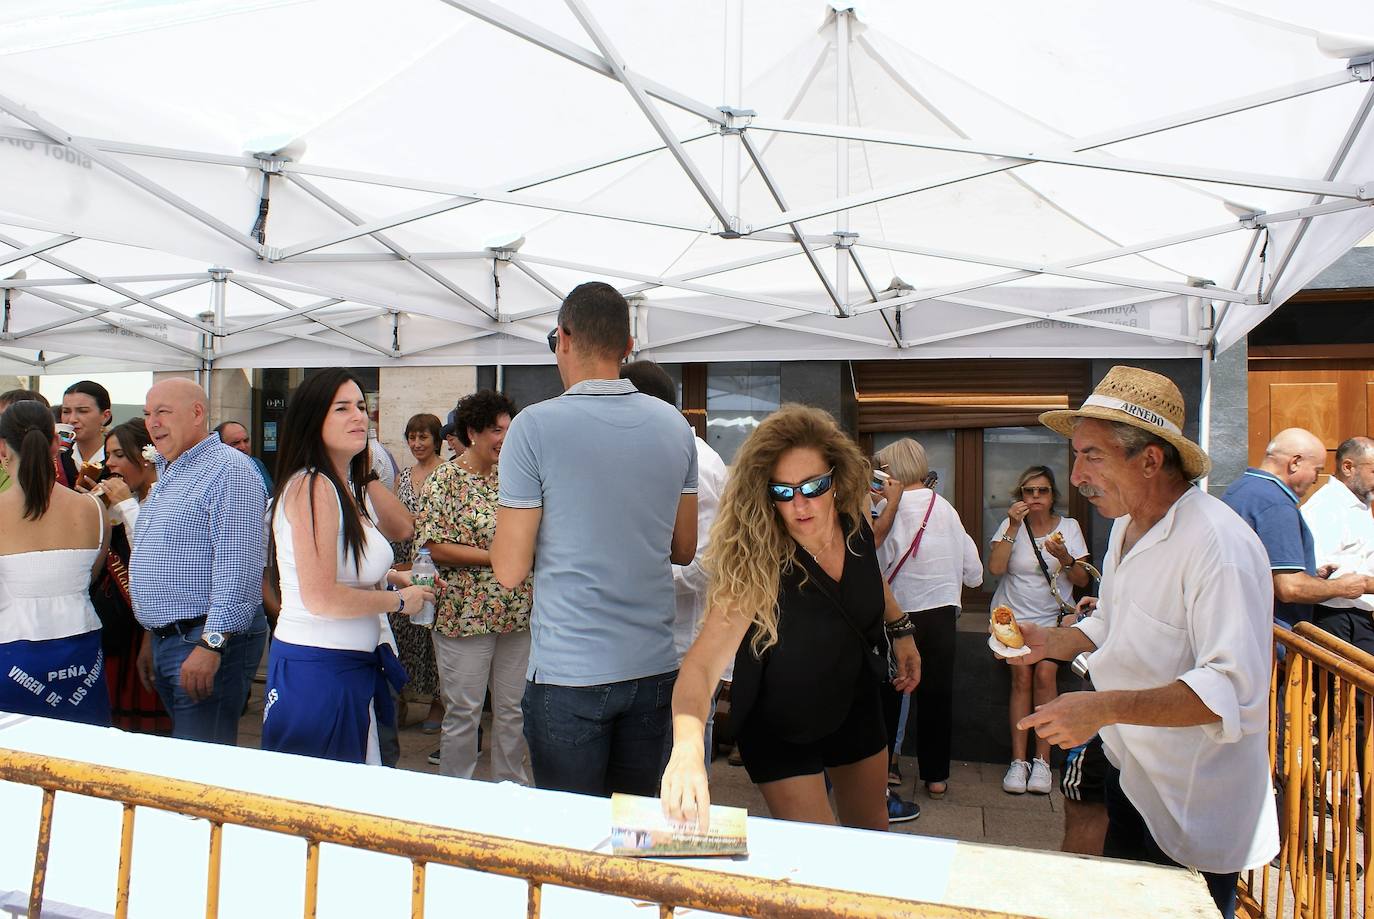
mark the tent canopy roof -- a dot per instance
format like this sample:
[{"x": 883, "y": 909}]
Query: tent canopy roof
[{"x": 326, "y": 181}]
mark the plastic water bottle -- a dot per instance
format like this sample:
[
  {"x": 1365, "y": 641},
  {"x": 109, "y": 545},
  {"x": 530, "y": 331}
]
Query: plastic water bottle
[{"x": 424, "y": 572}]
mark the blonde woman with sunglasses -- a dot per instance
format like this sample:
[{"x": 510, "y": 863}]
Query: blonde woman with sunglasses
[
  {"x": 797, "y": 599},
  {"x": 1033, "y": 533}
]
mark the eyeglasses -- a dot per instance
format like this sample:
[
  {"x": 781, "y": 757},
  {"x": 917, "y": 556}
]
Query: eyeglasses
[
  {"x": 811, "y": 488},
  {"x": 553, "y": 339},
  {"x": 1033, "y": 491}
]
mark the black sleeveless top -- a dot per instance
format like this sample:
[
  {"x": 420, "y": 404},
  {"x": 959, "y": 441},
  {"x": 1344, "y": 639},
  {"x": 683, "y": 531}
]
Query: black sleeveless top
[{"x": 830, "y": 635}]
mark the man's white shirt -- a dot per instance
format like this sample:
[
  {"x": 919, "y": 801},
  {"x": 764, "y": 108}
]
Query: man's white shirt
[
  {"x": 1343, "y": 535},
  {"x": 690, "y": 581},
  {"x": 1193, "y": 601}
]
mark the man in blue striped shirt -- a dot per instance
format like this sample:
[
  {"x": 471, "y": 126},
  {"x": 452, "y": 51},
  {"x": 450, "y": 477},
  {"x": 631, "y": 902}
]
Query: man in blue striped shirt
[{"x": 196, "y": 571}]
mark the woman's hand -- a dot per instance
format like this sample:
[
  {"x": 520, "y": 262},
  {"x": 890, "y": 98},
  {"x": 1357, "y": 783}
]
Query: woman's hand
[
  {"x": 1017, "y": 512},
  {"x": 892, "y": 491},
  {"x": 415, "y": 597},
  {"x": 685, "y": 795},
  {"x": 908, "y": 664},
  {"x": 1060, "y": 552},
  {"x": 112, "y": 491}
]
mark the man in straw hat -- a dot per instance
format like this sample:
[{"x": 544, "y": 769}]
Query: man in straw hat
[{"x": 1179, "y": 648}]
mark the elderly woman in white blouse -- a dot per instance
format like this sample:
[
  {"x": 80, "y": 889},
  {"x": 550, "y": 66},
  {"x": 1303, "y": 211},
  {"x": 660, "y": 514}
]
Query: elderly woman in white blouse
[{"x": 928, "y": 558}]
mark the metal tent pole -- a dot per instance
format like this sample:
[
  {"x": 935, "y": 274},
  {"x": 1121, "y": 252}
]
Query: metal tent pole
[
  {"x": 733, "y": 92},
  {"x": 843, "y": 16}
]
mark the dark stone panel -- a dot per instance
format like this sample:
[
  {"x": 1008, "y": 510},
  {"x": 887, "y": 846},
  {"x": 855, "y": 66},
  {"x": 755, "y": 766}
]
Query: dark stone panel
[
  {"x": 1230, "y": 418},
  {"x": 818, "y": 383},
  {"x": 1354, "y": 269},
  {"x": 528, "y": 385}
]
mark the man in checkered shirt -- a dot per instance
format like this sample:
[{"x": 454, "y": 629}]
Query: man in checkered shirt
[{"x": 196, "y": 571}]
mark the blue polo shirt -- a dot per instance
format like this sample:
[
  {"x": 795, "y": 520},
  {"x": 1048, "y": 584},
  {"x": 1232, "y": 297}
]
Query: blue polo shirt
[
  {"x": 1271, "y": 509},
  {"x": 608, "y": 465}
]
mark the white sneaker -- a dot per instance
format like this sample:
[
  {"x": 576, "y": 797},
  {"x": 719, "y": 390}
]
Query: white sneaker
[
  {"x": 1040, "y": 780},
  {"x": 1014, "y": 782}
]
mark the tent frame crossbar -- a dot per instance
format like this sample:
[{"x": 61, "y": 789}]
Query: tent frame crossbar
[
  {"x": 495, "y": 15},
  {"x": 100, "y": 309},
  {"x": 425, "y": 269},
  {"x": 1069, "y": 149}
]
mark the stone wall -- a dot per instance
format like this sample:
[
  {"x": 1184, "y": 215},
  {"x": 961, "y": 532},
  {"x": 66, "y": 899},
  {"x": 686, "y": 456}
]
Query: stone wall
[
  {"x": 408, "y": 391},
  {"x": 231, "y": 393}
]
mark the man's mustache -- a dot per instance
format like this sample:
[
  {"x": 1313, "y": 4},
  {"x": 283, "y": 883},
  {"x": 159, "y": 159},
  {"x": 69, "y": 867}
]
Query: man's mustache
[{"x": 1089, "y": 491}]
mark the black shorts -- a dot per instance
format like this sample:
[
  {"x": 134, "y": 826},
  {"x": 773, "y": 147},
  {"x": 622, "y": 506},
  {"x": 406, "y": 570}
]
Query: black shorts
[
  {"x": 1084, "y": 775},
  {"x": 859, "y": 736}
]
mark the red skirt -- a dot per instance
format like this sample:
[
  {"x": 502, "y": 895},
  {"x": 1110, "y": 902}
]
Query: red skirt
[{"x": 132, "y": 707}]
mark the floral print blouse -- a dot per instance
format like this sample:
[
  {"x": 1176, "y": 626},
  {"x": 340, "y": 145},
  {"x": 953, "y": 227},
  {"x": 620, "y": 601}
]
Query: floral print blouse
[{"x": 458, "y": 506}]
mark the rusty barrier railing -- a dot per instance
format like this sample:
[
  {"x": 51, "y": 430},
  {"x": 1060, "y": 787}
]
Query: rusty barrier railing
[
  {"x": 670, "y": 886},
  {"x": 1323, "y": 760}
]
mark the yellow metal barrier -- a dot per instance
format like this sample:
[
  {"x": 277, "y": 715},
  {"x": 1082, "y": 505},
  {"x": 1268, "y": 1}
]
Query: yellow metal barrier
[
  {"x": 671, "y": 886},
  {"x": 1318, "y": 694}
]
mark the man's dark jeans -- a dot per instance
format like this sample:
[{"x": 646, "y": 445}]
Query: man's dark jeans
[
  {"x": 1129, "y": 837},
  {"x": 216, "y": 718},
  {"x": 596, "y": 740}
]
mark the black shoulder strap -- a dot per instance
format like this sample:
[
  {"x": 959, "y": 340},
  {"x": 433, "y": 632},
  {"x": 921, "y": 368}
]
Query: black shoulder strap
[{"x": 1045, "y": 570}]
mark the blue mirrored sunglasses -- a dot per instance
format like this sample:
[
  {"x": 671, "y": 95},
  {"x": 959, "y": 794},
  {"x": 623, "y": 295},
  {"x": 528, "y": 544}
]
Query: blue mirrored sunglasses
[
  {"x": 811, "y": 488},
  {"x": 553, "y": 339}
]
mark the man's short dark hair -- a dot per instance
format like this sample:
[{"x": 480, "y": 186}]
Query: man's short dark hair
[
  {"x": 1354, "y": 448},
  {"x": 219, "y": 428},
  {"x": 597, "y": 319},
  {"x": 99, "y": 393},
  {"x": 21, "y": 395},
  {"x": 651, "y": 379},
  {"x": 480, "y": 411}
]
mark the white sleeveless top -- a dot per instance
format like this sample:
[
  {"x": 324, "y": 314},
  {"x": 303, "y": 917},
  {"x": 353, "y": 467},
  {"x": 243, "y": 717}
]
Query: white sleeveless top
[
  {"x": 44, "y": 594},
  {"x": 298, "y": 625}
]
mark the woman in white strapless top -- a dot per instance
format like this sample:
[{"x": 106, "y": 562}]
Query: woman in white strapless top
[
  {"x": 328, "y": 669},
  {"x": 52, "y": 540}
]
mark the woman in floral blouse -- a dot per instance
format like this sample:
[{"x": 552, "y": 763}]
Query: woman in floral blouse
[
  {"x": 481, "y": 630},
  {"x": 413, "y": 645}
]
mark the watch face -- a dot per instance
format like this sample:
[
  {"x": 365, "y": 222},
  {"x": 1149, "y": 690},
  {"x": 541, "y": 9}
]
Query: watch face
[{"x": 214, "y": 639}]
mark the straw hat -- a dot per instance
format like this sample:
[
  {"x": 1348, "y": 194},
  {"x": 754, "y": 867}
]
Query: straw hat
[{"x": 1141, "y": 399}]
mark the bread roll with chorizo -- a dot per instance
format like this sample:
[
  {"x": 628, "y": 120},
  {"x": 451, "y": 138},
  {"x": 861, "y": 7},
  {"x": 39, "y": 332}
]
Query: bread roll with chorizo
[{"x": 1005, "y": 629}]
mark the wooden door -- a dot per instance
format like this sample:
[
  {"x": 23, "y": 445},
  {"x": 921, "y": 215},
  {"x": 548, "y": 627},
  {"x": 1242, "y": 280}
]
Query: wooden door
[{"x": 1333, "y": 397}]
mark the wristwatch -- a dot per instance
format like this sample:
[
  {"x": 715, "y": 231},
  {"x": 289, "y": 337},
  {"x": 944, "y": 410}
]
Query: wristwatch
[
  {"x": 1008, "y": 537},
  {"x": 214, "y": 641}
]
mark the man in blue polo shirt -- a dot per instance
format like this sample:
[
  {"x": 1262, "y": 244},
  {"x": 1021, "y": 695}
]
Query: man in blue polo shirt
[
  {"x": 598, "y": 496},
  {"x": 1267, "y": 499}
]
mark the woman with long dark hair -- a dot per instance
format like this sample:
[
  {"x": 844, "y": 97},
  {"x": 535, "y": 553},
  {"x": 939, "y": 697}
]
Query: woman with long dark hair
[
  {"x": 329, "y": 668},
  {"x": 128, "y": 479},
  {"x": 797, "y": 598},
  {"x": 52, "y": 541}
]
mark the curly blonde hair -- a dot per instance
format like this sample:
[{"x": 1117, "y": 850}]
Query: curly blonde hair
[{"x": 750, "y": 548}]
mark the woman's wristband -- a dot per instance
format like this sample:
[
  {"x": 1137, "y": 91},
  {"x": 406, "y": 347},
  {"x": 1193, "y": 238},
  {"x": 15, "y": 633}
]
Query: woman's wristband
[
  {"x": 402, "y": 608},
  {"x": 900, "y": 626}
]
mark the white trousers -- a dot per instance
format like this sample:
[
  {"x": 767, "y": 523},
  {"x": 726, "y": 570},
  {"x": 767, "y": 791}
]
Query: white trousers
[{"x": 467, "y": 667}]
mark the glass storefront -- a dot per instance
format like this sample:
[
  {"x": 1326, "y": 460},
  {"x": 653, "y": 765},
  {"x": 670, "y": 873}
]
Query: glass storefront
[
  {"x": 272, "y": 390},
  {"x": 739, "y": 395},
  {"x": 939, "y": 447},
  {"x": 1007, "y": 452}
]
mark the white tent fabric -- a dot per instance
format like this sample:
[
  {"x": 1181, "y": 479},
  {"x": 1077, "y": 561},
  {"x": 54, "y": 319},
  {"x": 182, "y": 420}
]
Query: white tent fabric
[{"x": 420, "y": 182}]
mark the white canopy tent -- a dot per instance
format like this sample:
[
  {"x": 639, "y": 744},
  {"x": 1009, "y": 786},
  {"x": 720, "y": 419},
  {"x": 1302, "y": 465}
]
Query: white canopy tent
[{"x": 242, "y": 183}]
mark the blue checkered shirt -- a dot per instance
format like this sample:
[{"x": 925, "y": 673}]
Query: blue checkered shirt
[{"x": 199, "y": 550}]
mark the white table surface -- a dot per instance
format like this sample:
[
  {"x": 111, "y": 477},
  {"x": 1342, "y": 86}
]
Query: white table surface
[{"x": 263, "y": 873}]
